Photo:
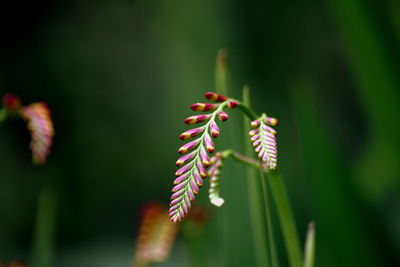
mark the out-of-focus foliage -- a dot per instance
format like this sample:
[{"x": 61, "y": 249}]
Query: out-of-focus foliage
[{"x": 118, "y": 76}]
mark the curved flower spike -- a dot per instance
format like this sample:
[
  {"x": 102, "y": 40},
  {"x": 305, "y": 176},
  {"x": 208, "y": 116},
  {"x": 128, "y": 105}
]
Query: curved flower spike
[
  {"x": 215, "y": 177},
  {"x": 189, "y": 178},
  {"x": 264, "y": 140},
  {"x": 41, "y": 127},
  {"x": 156, "y": 235}
]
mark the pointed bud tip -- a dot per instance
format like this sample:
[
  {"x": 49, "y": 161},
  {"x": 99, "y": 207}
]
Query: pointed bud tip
[
  {"x": 215, "y": 97},
  {"x": 232, "y": 104}
]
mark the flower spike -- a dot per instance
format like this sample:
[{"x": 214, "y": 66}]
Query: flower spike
[
  {"x": 264, "y": 140},
  {"x": 156, "y": 235},
  {"x": 194, "y": 164},
  {"x": 41, "y": 128},
  {"x": 215, "y": 176}
]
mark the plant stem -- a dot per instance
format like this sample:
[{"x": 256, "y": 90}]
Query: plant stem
[
  {"x": 221, "y": 78},
  {"x": 247, "y": 110},
  {"x": 44, "y": 230},
  {"x": 271, "y": 241},
  {"x": 255, "y": 197},
  {"x": 3, "y": 114},
  {"x": 309, "y": 251},
  {"x": 286, "y": 219}
]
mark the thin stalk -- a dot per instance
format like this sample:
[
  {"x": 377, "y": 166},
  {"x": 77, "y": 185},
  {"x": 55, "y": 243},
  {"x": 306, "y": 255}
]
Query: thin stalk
[
  {"x": 255, "y": 197},
  {"x": 221, "y": 79},
  {"x": 286, "y": 219},
  {"x": 247, "y": 110},
  {"x": 309, "y": 250},
  {"x": 3, "y": 114},
  {"x": 43, "y": 240},
  {"x": 271, "y": 240}
]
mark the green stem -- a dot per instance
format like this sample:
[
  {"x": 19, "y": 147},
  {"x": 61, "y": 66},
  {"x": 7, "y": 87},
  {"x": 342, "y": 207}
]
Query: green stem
[
  {"x": 271, "y": 241},
  {"x": 221, "y": 78},
  {"x": 286, "y": 219},
  {"x": 3, "y": 114},
  {"x": 44, "y": 231},
  {"x": 309, "y": 251},
  {"x": 254, "y": 194},
  {"x": 247, "y": 110}
]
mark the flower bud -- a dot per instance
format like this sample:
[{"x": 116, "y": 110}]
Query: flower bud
[
  {"x": 184, "y": 159},
  {"x": 255, "y": 123},
  {"x": 188, "y": 146},
  {"x": 209, "y": 143},
  {"x": 204, "y": 157},
  {"x": 271, "y": 121},
  {"x": 184, "y": 169},
  {"x": 223, "y": 116},
  {"x": 191, "y": 133},
  {"x": 215, "y": 97},
  {"x": 254, "y": 132},
  {"x": 232, "y": 104},
  {"x": 197, "y": 119},
  {"x": 204, "y": 106},
  {"x": 214, "y": 130}
]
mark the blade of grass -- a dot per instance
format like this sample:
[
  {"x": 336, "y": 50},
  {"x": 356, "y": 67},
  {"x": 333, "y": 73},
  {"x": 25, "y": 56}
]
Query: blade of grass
[
  {"x": 236, "y": 249},
  {"x": 43, "y": 240},
  {"x": 221, "y": 74},
  {"x": 271, "y": 240},
  {"x": 286, "y": 219},
  {"x": 255, "y": 198},
  {"x": 309, "y": 250}
]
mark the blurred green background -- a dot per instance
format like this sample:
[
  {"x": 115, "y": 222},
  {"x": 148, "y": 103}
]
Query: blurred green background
[{"x": 119, "y": 77}]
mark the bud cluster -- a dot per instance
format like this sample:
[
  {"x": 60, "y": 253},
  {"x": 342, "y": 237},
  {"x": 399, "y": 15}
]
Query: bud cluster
[
  {"x": 263, "y": 137},
  {"x": 195, "y": 154}
]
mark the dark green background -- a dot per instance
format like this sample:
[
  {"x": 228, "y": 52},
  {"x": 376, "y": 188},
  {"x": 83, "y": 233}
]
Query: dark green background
[{"x": 119, "y": 77}]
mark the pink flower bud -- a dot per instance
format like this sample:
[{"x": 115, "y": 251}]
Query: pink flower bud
[
  {"x": 204, "y": 157},
  {"x": 214, "y": 130},
  {"x": 215, "y": 97},
  {"x": 269, "y": 129},
  {"x": 209, "y": 143},
  {"x": 191, "y": 133},
  {"x": 204, "y": 106},
  {"x": 255, "y": 123},
  {"x": 184, "y": 169},
  {"x": 189, "y": 146},
  {"x": 223, "y": 116},
  {"x": 197, "y": 119},
  {"x": 201, "y": 169},
  {"x": 271, "y": 121},
  {"x": 232, "y": 104},
  {"x": 184, "y": 159}
]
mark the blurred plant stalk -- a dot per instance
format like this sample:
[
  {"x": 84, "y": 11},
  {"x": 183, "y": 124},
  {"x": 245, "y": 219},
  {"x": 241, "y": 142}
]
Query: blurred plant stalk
[{"x": 43, "y": 239}]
